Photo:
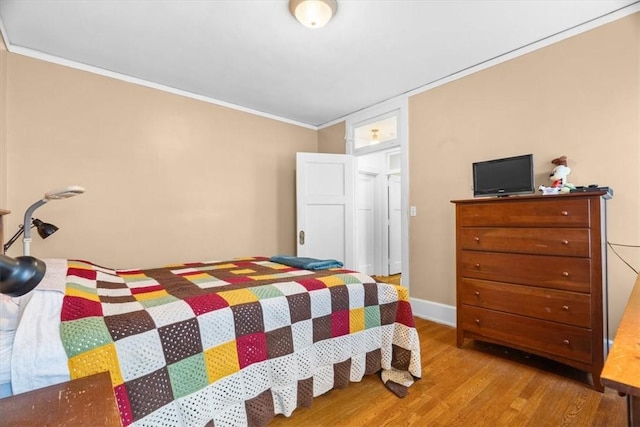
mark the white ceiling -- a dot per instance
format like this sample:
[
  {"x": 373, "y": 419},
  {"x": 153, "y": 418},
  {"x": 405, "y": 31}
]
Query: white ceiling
[{"x": 253, "y": 54}]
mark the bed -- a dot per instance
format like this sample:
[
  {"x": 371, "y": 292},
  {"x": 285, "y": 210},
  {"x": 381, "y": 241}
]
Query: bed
[{"x": 234, "y": 342}]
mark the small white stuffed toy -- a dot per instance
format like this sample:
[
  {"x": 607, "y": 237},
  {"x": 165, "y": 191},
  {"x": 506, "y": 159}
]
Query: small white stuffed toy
[{"x": 558, "y": 177}]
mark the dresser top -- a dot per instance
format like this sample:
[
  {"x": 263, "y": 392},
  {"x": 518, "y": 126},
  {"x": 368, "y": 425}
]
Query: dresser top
[{"x": 515, "y": 198}]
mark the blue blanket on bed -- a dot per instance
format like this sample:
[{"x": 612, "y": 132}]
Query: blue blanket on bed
[{"x": 306, "y": 263}]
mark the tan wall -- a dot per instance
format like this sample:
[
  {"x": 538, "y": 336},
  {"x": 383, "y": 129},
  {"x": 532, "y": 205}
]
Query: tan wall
[
  {"x": 3, "y": 144},
  {"x": 579, "y": 97},
  {"x": 331, "y": 139},
  {"x": 168, "y": 178}
]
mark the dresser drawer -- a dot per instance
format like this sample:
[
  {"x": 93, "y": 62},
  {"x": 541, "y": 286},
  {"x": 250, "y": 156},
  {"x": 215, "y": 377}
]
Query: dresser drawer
[
  {"x": 566, "y": 273},
  {"x": 543, "y": 241},
  {"x": 529, "y": 334},
  {"x": 563, "y": 212},
  {"x": 571, "y": 308}
]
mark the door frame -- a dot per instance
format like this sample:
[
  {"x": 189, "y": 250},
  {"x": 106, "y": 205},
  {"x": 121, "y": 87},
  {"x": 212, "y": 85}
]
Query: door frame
[{"x": 401, "y": 105}]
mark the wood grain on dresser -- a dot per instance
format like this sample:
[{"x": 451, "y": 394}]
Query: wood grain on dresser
[{"x": 530, "y": 276}]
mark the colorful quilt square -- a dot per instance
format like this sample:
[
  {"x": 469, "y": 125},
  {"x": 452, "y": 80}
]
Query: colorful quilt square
[
  {"x": 82, "y": 335},
  {"x": 180, "y": 340},
  {"x": 339, "y": 298},
  {"x": 173, "y": 312},
  {"x": 356, "y": 320},
  {"x": 248, "y": 318},
  {"x": 312, "y": 284},
  {"x": 150, "y": 392},
  {"x": 320, "y": 302},
  {"x": 89, "y": 285},
  {"x": 122, "y": 399},
  {"x": 290, "y": 288},
  {"x": 221, "y": 361},
  {"x": 321, "y": 328},
  {"x": 279, "y": 342},
  {"x": 125, "y": 325},
  {"x": 75, "y": 307},
  {"x": 252, "y": 349},
  {"x": 109, "y": 276},
  {"x": 115, "y": 306},
  {"x": 388, "y": 313},
  {"x": 370, "y": 294},
  {"x": 154, "y": 299},
  {"x": 76, "y": 272},
  {"x": 266, "y": 292},
  {"x": 275, "y": 313},
  {"x": 258, "y": 406},
  {"x": 340, "y": 323},
  {"x": 299, "y": 307},
  {"x": 215, "y": 327},
  {"x": 372, "y": 316},
  {"x": 188, "y": 375},
  {"x": 302, "y": 333},
  {"x": 282, "y": 369},
  {"x": 139, "y": 354},
  {"x": 96, "y": 360},
  {"x": 238, "y": 296},
  {"x": 387, "y": 293},
  {"x": 114, "y": 292},
  {"x": 243, "y": 271},
  {"x": 205, "y": 303},
  {"x": 356, "y": 296},
  {"x": 332, "y": 281}
]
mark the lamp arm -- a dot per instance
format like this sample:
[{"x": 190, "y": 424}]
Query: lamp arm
[
  {"x": 12, "y": 240},
  {"x": 27, "y": 229}
]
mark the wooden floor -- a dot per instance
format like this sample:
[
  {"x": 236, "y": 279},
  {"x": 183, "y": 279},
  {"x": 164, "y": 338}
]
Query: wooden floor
[{"x": 479, "y": 385}]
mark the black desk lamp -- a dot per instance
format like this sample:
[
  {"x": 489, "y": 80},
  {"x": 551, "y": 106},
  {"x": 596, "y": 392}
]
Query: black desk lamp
[
  {"x": 20, "y": 275},
  {"x": 44, "y": 229}
]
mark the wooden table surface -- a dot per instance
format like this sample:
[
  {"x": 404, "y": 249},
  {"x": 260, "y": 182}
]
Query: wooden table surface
[
  {"x": 622, "y": 368},
  {"x": 84, "y": 402}
]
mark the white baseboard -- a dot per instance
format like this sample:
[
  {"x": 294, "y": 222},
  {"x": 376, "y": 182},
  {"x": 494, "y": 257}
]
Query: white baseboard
[{"x": 434, "y": 311}]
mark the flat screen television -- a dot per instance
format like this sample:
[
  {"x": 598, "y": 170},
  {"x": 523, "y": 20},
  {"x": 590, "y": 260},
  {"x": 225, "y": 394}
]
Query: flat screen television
[{"x": 503, "y": 177}]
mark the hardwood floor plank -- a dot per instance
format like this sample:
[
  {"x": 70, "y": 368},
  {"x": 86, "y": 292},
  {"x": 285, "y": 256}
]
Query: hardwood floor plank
[{"x": 478, "y": 385}]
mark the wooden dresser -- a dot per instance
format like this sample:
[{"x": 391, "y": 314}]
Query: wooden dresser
[{"x": 531, "y": 275}]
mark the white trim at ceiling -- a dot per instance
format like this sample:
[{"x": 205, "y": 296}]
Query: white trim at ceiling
[
  {"x": 578, "y": 29},
  {"x": 129, "y": 79},
  {"x": 523, "y": 50}
]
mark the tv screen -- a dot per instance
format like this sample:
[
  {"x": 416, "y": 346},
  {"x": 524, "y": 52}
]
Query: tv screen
[{"x": 503, "y": 177}]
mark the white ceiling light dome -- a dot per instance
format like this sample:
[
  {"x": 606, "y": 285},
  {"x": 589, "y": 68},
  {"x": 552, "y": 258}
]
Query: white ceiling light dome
[{"x": 313, "y": 13}]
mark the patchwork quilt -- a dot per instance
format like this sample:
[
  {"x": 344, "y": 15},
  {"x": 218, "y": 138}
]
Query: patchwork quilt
[{"x": 235, "y": 342}]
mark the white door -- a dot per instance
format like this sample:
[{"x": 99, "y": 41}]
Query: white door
[
  {"x": 395, "y": 226},
  {"x": 325, "y": 207},
  {"x": 365, "y": 223}
]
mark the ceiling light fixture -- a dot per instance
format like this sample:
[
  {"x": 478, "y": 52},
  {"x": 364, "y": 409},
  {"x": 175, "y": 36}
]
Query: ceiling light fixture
[
  {"x": 313, "y": 13},
  {"x": 374, "y": 136}
]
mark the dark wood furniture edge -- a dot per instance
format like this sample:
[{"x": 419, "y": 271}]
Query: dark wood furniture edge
[{"x": 87, "y": 401}]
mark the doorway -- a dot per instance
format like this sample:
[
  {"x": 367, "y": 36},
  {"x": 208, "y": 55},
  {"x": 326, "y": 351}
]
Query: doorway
[
  {"x": 378, "y": 231},
  {"x": 378, "y": 139}
]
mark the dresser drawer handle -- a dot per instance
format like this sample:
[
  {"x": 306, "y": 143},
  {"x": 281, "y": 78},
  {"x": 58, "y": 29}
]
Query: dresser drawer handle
[
  {"x": 565, "y": 242},
  {"x": 476, "y": 238},
  {"x": 476, "y": 265},
  {"x": 565, "y": 307},
  {"x": 564, "y": 213},
  {"x": 477, "y": 293},
  {"x": 477, "y": 321},
  {"x": 565, "y": 273},
  {"x": 566, "y": 342}
]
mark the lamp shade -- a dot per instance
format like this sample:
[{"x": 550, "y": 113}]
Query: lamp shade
[
  {"x": 44, "y": 228},
  {"x": 20, "y": 275},
  {"x": 313, "y": 13}
]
